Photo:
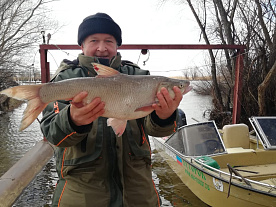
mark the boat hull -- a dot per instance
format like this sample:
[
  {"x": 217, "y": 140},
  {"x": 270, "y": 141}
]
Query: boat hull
[{"x": 211, "y": 188}]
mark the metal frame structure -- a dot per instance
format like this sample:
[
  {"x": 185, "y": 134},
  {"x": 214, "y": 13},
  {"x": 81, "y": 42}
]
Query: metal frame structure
[{"x": 45, "y": 65}]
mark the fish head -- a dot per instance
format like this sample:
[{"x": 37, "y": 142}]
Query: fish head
[{"x": 183, "y": 85}]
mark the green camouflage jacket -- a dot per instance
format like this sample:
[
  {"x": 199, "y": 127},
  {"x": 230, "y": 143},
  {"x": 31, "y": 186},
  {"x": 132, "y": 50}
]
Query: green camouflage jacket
[{"x": 95, "y": 167}]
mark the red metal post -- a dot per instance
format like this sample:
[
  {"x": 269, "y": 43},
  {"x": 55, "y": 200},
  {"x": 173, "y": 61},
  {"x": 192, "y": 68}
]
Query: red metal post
[
  {"x": 181, "y": 47},
  {"x": 43, "y": 64},
  {"x": 152, "y": 47},
  {"x": 238, "y": 88}
]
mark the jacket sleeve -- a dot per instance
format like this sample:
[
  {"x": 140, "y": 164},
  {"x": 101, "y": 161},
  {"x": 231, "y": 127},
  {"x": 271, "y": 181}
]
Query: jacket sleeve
[
  {"x": 158, "y": 127},
  {"x": 56, "y": 125}
]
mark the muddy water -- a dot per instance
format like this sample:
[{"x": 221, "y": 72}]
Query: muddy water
[
  {"x": 171, "y": 189},
  {"x": 14, "y": 144}
]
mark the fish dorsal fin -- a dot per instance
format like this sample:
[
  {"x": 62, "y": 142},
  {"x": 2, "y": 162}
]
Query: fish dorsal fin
[{"x": 103, "y": 70}]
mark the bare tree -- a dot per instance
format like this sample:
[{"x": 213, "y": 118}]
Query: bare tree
[
  {"x": 21, "y": 23},
  {"x": 252, "y": 23},
  {"x": 266, "y": 90}
]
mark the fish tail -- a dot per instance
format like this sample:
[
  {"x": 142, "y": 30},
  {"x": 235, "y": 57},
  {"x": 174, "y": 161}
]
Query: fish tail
[
  {"x": 34, "y": 106},
  {"x": 25, "y": 92}
]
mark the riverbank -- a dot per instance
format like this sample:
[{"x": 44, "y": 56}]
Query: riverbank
[{"x": 8, "y": 104}]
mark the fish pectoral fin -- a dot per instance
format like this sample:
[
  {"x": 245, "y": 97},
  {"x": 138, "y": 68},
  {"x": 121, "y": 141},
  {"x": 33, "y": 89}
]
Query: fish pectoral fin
[
  {"x": 118, "y": 125},
  {"x": 145, "y": 108}
]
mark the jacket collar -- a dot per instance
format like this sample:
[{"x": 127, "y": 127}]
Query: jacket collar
[{"x": 86, "y": 61}]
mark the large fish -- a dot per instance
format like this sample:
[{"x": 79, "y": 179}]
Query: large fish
[{"x": 126, "y": 97}]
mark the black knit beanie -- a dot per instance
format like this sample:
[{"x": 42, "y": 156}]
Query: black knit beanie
[{"x": 99, "y": 23}]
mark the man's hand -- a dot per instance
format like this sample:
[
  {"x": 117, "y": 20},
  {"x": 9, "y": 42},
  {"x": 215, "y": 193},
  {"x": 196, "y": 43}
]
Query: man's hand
[
  {"x": 85, "y": 114},
  {"x": 167, "y": 105}
]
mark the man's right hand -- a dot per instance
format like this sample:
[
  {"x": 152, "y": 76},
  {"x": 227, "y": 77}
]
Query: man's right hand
[{"x": 85, "y": 114}]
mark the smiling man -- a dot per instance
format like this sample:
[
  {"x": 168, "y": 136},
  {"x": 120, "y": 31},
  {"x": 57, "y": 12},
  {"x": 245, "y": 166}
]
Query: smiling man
[
  {"x": 100, "y": 45},
  {"x": 99, "y": 36},
  {"x": 96, "y": 167}
]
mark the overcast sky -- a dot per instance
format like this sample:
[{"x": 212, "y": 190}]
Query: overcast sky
[{"x": 141, "y": 22}]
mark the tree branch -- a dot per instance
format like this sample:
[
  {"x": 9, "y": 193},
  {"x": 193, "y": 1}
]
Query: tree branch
[{"x": 264, "y": 28}]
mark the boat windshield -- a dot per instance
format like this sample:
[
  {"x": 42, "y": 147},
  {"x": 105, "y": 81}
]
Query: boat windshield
[
  {"x": 197, "y": 140},
  {"x": 265, "y": 128}
]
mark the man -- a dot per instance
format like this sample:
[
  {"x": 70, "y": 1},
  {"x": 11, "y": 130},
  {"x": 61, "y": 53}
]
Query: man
[{"x": 95, "y": 167}]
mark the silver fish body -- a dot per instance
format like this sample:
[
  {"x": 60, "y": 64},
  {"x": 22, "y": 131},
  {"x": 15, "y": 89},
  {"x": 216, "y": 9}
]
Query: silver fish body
[
  {"x": 122, "y": 94},
  {"x": 125, "y": 96}
]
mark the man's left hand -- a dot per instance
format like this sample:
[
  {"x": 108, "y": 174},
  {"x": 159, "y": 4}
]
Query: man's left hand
[{"x": 167, "y": 105}]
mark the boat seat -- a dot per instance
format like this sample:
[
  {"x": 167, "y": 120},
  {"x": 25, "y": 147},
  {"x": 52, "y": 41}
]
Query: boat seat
[
  {"x": 238, "y": 150},
  {"x": 236, "y": 135}
]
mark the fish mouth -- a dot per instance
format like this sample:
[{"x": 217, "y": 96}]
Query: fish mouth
[{"x": 189, "y": 88}]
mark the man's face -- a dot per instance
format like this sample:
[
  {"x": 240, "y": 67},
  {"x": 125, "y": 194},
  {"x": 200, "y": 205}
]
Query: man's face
[{"x": 100, "y": 45}]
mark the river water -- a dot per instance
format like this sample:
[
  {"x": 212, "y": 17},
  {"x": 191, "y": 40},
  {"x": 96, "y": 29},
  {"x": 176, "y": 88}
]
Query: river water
[{"x": 14, "y": 144}]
